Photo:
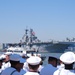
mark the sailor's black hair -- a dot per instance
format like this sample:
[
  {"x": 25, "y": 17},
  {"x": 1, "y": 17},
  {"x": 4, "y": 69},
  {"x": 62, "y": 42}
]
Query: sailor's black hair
[{"x": 52, "y": 58}]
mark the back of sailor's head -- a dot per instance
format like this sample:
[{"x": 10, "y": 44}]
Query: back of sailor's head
[{"x": 50, "y": 58}]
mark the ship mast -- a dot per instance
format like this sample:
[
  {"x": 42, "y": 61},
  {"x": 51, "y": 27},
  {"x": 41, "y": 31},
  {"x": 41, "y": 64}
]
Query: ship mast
[
  {"x": 29, "y": 37},
  {"x": 26, "y": 36},
  {"x": 31, "y": 40}
]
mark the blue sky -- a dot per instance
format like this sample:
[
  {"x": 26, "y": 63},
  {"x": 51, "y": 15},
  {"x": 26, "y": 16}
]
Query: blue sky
[{"x": 50, "y": 19}]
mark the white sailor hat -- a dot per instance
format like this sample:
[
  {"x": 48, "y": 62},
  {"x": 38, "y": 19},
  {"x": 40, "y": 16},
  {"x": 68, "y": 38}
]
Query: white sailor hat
[
  {"x": 34, "y": 60},
  {"x": 3, "y": 56},
  {"x": 17, "y": 57},
  {"x": 67, "y": 57},
  {"x": 8, "y": 53}
]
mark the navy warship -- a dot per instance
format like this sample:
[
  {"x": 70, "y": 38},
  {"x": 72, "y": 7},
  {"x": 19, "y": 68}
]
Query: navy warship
[{"x": 31, "y": 42}]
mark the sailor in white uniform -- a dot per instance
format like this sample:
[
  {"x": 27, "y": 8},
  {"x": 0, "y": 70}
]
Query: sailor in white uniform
[
  {"x": 60, "y": 64},
  {"x": 41, "y": 66},
  {"x": 68, "y": 60},
  {"x": 6, "y": 62},
  {"x": 25, "y": 67},
  {"x": 33, "y": 64},
  {"x": 16, "y": 65}
]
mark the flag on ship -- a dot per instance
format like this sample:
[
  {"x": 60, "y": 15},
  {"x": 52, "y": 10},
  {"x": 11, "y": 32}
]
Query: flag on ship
[{"x": 32, "y": 32}]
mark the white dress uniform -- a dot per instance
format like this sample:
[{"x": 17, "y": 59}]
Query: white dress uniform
[
  {"x": 60, "y": 66},
  {"x": 0, "y": 70},
  {"x": 33, "y": 60},
  {"x": 32, "y": 73},
  {"x": 64, "y": 72},
  {"x": 67, "y": 58},
  {"x": 10, "y": 71},
  {"x": 40, "y": 68},
  {"x": 48, "y": 70},
  {"x": 5, "y": 65},
  {"x": 25, "y": 67}
]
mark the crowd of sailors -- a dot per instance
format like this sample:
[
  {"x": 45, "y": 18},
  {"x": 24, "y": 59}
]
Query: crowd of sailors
[{"x": 16, "y": 64}]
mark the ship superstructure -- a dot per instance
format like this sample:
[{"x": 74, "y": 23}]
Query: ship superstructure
[
  {"x": 31, "y": 42},
  {"x": 29, "y": 38}
]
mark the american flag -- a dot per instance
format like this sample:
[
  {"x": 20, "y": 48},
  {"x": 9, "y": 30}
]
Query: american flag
[{"x": 32, "y": 32}]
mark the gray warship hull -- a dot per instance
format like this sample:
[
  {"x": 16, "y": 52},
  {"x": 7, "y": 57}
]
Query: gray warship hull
[{"x": 58, "y": 47}]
